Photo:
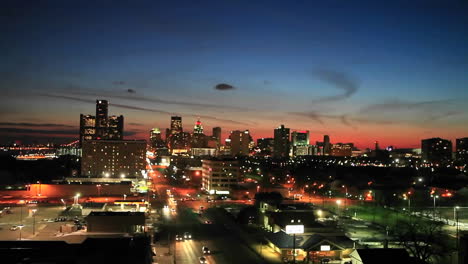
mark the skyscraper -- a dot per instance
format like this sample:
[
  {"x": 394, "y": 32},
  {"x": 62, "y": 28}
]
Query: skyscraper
[
  {"x": 115, "y": 127},
  {"x": 462, "y": 149},
  {"x": 101, "y": 119},
  {"x": 217, "y": 134},
  {"x": 300, "y": 142},
  {"x": 240, "y": 142},
  {"x": 326, "y": 145},
  {"x": 281, "y": 142},
  {"x": 436, "y": 150},
  {"x": 198, "y": 128},
  {"x": 176, "y": 124},
  {"x": 101, "y": 126}
]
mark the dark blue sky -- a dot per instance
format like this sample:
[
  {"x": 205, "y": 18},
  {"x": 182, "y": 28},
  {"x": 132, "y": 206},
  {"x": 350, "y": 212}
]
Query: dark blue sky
[{"x": 357, "y": 70}]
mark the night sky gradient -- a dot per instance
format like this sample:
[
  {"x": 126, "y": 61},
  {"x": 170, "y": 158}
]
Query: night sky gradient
[{"x": 358, "y": 71}]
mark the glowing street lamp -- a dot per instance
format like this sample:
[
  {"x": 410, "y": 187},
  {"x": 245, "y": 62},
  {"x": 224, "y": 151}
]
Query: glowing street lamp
[
  {"x": 20, "y": 228},
  {"x": 34, "y": 220},
  {"x": 76, "y": 198},
  {"x": 435, "y": 197},
  {"x": 455, "y": 219}
]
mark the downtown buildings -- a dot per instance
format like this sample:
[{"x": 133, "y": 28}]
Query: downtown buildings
[{"x": 101, "y": 126}]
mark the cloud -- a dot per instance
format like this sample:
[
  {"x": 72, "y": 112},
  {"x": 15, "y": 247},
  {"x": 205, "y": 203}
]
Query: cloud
[
  {"x": 398, "y": 105},
  {"x": 33, "y": 124},
  {"x": 224, "y": 87},
  {"x": 442, "y": 115},
  {"x": 131, "y": 91},
  {"x": 340, "y": 80},
  {"x": 139, "y": 108},
  {"x": 344, "y": 119},
  {"x": 118, "y": 82}
]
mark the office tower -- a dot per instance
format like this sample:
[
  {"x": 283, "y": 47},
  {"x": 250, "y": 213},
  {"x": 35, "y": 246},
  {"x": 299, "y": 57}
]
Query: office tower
[
  {"x": 168, "y": 134},
  {"x": 115, "y": 127},
  {"x": 113, "y": 158},
  {"x": 219, "y": 176},
  {"x": 156, "y": 140},
  {"x": 377, "y": 147},
  {"x": 462, "y": 149},
  {"x": 326, "y": 145},
  {"x": 101, "y": 119},
  {"x": 240, "y": 142},
  {"x": 281, "y": 142},
  {"x": 436, "y": 150},
  {"x": 300, "y": 143},
  {"x": 87, "y": 127},
  {"x": 198, "y": 128},
  {"x": 342, "y": 150},
  {"x": 217, "y": 134},
  {"x": 265, "y": 145},
  {"x": 176, "y": 124}
]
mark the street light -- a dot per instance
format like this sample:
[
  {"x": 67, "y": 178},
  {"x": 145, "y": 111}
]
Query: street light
[
  {"x": 77, "y": 196},
  {"x": 455, "y": 219},
  {"x": 20, "y": 228},
  {"x": 34, "y": 220},
  {"x": 435, "y": 197},
  {"x": 346, "y": 195}
]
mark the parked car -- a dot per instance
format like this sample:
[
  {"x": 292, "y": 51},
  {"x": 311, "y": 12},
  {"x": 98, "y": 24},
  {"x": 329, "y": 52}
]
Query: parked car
[
  {"x": 205, "y": 250},
  {"x": 203, "y": 260}
]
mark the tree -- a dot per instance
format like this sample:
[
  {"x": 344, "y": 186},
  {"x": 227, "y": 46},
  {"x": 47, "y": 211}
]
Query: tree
[{"x": 425, "y": 240}]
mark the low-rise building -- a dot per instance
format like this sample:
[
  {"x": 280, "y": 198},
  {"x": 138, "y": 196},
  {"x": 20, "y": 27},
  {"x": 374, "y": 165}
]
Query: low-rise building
[
  {"x": 116, "y": 222},
  {"x": 220, "y": 175}
]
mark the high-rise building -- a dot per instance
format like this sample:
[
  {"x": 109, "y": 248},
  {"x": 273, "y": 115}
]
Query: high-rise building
[
  {"x": 219, "y": 176},
  {"x": 101, "y": 119},
  {"x": 436, "y": 150},
  {"x": 300, "y": 142},
  {"x": 101, "y": 126},
  {"x": 240, "y": 142},
  {"x": 217, "y": 134},
  {"x": 326, "y": 145},
  {"x": 198, "y": 128},
  {"x": 281, "y": 142},
  {"x": 342, "y": 150},
  {"x": 265, "y": 145},
  {"x": 115, "y": 127},
  {"x": 462, "y": 149},
  {"x": 113, "y": 158},
  {"x": 156, "y": 140},
  {"x": 176, "y": 124},
  {"x": 87, "y": 127}
]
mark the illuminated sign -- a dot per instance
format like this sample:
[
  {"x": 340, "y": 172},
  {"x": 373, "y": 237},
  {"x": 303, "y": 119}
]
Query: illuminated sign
[
  {"x": 325, "y": 248},
  {"x": 294, "y": 229}
]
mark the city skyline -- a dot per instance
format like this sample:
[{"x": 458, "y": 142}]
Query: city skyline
[{"x": 395, "y": 74}]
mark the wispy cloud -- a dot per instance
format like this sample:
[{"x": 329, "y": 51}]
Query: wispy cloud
[
  {"x": 398, "y": 105},
  {"x": 344, "y": 119},
  {"x": 340, "y": 80}
]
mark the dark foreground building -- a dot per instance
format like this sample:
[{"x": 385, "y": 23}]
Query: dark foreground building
[{"x": 92, "y": 250}]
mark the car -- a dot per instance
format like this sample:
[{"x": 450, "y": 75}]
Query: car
[
  {"x": 187, "y": 235},
  {"x": 173, "y": 210},
  {"x": 205, "y": 250},
  {"x": 203, "y": 260},
  {"x": 208, "y": 222},
  {"x": 14, "y": 228},
  {"x": 179, "y": 238}
]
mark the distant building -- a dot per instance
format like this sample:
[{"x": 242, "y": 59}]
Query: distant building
[
  {"x": 240, "y": 142},
  {"x": 220, "y": 175},
  {"x": 265, "y": 145},
  {"x": 300, "y": 143},
  {"x": 157, "y": 144},
  {"x": 342, "y": 150},
  {"x": 462, "y": 149},
  {"x": 436, "y": 150},
  {"x": 101, "y": 126},
  {"x": 281, "y": 142},
  {"x": 113, "y": 158},
  {"x": 326, "y": 145},
  {"x": 217, "y": 134},
  {"x": 197, "y": 152},
  {"x": 176, "y": 124},
  {"x": 198, "y": 139},
  {"x": 198, "y": 128}
]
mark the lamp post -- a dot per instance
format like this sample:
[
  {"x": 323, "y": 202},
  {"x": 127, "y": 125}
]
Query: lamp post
[
  {"x": 34, "y": 220},
  {"x": 346, "y": 196},
  {"x": 294, "y": 229},
  {"x": 455, "y": 219},
  {"x": 435, "y": 197},
  {"x": 20, "y": 228}
]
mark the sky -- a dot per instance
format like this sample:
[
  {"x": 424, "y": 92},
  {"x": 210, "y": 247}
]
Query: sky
[{"x": 359, "y": 71}]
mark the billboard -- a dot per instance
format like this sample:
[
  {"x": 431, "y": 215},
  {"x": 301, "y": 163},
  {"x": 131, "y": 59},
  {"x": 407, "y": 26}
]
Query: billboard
[{"x": 294, "y": 229}]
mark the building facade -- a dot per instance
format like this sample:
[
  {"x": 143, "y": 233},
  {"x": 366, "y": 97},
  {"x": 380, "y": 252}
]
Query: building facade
[
  {"x": 342, "y": 150},
  {"x": 300, "y": 143},
  {"x": 220, "y": 175},
  {"x": 281, "y": 142},
  {"x": 462, "y": 150},
  {"x": 113, "y": 158},
  {"x": 436, "y": 150},
  {"x": 240, "y": 142}
]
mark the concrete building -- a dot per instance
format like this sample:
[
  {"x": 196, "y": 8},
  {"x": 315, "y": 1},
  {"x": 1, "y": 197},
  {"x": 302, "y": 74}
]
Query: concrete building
[
  {"x": 116, "y": 222},
  {"x": 219, "y": 175},
  {"x": 436, "y": 150},
  {"x": 300, "y": 143},
  {"x": 217, "y": 134},
  {"x": 342, "y": 150},
  {"x": 240, "y": 142},
  {"x": 203, "y": 152},
  {"x": 461, "y": 149},
  {"x": 281, "y": 142},
  {"x": 113, "y": 158}
]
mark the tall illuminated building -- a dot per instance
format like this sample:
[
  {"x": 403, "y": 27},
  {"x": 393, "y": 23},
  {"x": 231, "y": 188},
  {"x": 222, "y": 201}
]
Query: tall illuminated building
[
  {"x": 436, "y": 150},
  {"x": 281, "y": 142},
  {"x": 198, "y": 128},
  {"x": 326, "y": 145},
  {"x": 115, "y": 127},
  {"x": 101, "y": 119},
  {"x": 176, "y": 124},
  {"x": 87, "y": 127},
  {"x": 462, "y": 149},
  {"x": 300, "y": 142},
  {"x": 240, "y": 142}
]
